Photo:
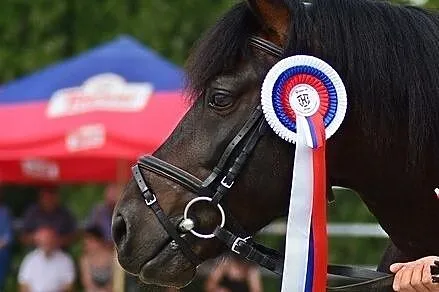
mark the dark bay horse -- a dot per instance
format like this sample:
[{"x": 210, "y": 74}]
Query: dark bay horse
[{"x": 386, "y": 149}]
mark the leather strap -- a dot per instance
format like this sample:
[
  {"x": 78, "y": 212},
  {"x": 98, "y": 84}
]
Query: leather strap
[
  {"x": 151, "y": 201},
  {"x": 255, "y": 116},
  {"x": 266, "y": 46},
  {"x": 245, "y": 249},
  {"x": 360, "y": 279},
  {"x": 375, "y": 284},
  {"x": 170, "y": 172},
  {"x": 234, "y": 170}
]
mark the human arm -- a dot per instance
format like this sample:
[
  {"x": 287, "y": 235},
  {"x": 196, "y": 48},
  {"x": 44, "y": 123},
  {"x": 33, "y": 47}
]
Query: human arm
[{"x": 415, "y": 275}]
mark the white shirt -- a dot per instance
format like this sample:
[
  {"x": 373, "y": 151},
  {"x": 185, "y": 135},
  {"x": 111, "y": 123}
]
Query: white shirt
[{"x": 46, "y": 274}]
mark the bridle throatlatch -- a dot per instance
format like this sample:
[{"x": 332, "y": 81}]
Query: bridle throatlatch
[{"x": 304, "y": 101}]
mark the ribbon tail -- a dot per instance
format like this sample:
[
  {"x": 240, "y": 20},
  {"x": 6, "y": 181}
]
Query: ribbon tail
[
  {"x": 319, "y": 225},
  {"x": 299, "y": 217}
]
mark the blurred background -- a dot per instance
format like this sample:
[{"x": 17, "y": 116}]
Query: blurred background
[{"x": 58, "y": 152}]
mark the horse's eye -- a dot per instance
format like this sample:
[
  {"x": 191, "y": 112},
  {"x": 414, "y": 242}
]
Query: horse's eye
[{"x": 220, "y": 100}]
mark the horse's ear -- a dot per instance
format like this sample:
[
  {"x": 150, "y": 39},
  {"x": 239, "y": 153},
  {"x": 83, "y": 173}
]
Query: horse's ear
[{"x": 274, "y": 18}]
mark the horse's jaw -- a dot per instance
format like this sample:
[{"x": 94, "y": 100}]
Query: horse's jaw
[{"x": 169, "y": 268}]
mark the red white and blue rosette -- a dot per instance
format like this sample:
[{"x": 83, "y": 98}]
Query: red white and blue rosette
[
  {"x": 303, "y": 74},
  {"x": 304, "y": 101}
]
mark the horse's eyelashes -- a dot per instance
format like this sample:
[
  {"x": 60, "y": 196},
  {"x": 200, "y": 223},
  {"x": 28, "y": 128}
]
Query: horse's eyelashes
[{"x": 221, "y": 100}]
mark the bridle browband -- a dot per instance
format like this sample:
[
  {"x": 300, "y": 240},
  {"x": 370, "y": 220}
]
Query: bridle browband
[{"x": 215, "y": 187}]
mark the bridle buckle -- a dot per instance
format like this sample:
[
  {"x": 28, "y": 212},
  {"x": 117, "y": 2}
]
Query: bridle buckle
[
  {"x": 226, "y": 185},
  {"x": 151, "y": 201},
  {"x": 236, "y": 243}
]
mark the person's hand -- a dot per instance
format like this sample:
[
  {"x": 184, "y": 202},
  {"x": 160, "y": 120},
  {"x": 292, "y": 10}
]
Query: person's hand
[
  {"x": 3, "y": 243},
  {"x": 414, "y": 276}
]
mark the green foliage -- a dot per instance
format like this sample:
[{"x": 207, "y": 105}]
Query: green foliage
[
  {"x": 37, "y": 33},
  {"x": 348, "y": 208},
  {"x": 40, "y": 32}
]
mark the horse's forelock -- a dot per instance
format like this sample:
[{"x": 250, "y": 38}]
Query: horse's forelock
[{"x": 220, "y": 48}]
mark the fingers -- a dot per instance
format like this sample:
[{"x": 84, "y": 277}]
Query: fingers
[
  {"x": 406, "y": 277},
  {"x": 415, "y": 276},
  {"x": 397, "y": 279},
  {"x": 397, "y": 266}
]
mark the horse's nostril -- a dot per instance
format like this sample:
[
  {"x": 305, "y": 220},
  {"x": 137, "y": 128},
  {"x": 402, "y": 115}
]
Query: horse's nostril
[{"x": 119, "y": 230}]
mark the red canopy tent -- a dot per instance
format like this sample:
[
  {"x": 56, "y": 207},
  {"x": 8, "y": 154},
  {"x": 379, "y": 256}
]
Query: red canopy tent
[
  {"x": 85, "y": 147},
  {"x": 93, "y": 127}
]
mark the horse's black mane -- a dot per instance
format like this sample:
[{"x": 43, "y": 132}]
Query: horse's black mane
[{"x": 386, "y": 54}]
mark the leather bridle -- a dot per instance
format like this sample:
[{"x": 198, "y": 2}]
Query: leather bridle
[{"x": 215, "y": 187}]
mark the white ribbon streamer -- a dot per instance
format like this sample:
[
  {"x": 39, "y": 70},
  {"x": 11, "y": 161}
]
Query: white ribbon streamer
[{"x": 299, "y": 215}]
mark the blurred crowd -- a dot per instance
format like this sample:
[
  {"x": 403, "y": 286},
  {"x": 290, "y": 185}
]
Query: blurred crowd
[{"x": 48, "y": 229}]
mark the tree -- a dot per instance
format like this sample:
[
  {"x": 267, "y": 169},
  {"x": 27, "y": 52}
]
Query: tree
[
  {"x": 40, "y": 32},
  {"x": 37, "y": 33}
]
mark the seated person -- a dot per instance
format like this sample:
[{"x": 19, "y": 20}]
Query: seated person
[
  {"x": 96, "y": 263},
  {"x": 47, "y": 268},
  {"x": 5, "y": 242},
  {"x": 48, "y": 211},
  {"x": 234, "y": 275}
]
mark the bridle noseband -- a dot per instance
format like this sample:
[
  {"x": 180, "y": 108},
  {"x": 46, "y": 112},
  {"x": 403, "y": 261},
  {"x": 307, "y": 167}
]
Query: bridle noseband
[{"x": 215, "y": 187}]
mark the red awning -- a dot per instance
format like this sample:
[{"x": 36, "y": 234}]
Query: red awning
[{"x": 83, "y": 142}]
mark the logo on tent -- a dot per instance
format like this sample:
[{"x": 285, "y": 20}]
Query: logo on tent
[
  {"x": 86, "y": 137},
  {"x": 104, "y": 92},
  {"x": 42, "y": 169}
]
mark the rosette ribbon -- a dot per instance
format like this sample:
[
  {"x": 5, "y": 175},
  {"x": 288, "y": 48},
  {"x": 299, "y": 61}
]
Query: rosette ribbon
[{"x": 304, "y": 102}]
